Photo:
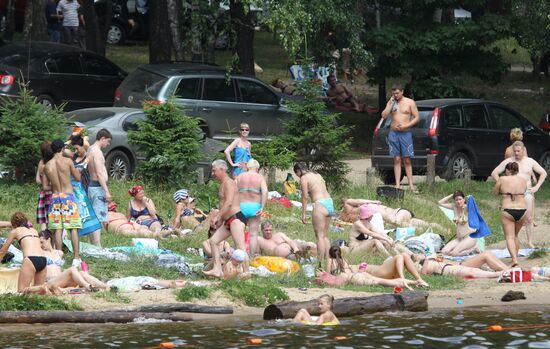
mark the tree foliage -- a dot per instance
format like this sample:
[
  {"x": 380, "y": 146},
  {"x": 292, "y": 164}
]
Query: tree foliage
[
  {"x": 170, "y": 141},
  {"x": 316, "y": 138},
  {"x": 24, "y": 125}
]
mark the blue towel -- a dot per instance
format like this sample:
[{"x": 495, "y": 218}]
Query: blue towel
[{"x": 475, "y": 221}]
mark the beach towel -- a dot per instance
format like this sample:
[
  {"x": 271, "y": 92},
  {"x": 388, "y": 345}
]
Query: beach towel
[
  {"x": 90, "y": 223},
  {"x": 475, "y": 220},
  {"x": 8, "y": 280}
]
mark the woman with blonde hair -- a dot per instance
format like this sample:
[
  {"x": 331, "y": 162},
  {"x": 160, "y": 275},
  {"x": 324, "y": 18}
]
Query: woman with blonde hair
[
  {"x": 515, "y": 135},
  {"x": 241, "y": 151}
]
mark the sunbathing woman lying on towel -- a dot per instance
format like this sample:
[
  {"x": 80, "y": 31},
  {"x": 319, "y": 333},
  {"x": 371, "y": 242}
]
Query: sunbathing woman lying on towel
[{"x": 468, "y": 268}]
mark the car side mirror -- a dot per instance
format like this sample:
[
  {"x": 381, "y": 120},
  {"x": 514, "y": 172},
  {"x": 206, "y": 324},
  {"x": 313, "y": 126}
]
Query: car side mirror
[{"x": 528, "y": 128}]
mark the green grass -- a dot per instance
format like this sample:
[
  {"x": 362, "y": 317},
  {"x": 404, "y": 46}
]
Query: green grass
[
  {"x": 111, "y": 296},
  {"x": 17, "y": 302},
  {"x": 254, "y": 293},
  {"x": 190, "y": 292}
]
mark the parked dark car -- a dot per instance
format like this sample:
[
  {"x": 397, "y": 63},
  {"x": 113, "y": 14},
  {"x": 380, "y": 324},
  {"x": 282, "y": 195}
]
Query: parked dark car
[
  {"x": 58, "y": 73},
  {"x": 121, "y": 157},
  {"x": 463, "y": 134},
  {"x": 544, "y": 123},
  {"x": 205, "y": 92}
]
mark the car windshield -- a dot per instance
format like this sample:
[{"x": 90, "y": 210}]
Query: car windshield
[
  {"x": 145, "y": 82},
  {"x": 90, "y": 117},
  {"x": 425, "y": 119}
]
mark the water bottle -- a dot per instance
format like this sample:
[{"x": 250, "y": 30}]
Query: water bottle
[{"x": 84, "y": 266}]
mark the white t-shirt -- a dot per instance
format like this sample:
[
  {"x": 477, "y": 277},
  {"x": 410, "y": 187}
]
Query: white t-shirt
[{"x": 69, "y": 9}]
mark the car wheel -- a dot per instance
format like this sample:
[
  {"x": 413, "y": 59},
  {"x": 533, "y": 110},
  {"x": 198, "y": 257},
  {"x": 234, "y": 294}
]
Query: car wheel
[
  {"x": 46, "y": 100},
  {"x": 118, "y": 165},
  {"x": 116, "y": 34},
  {"x": 457, "y": 166},
  {"x": 545, "y": 161}
]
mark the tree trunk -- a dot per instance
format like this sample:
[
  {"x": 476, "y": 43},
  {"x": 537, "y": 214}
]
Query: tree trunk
[
  {"x": 182, "y": 307},
  {"x": 382, "y": 94},
  {"x": 10, "y": 20},
  {"x": 175, "y": 28},
  {"x": 242, "y": 24},
  {"x": 94, "y": 41},
  {"x": 34, "y": 15},
  {"x": 408, "y": 301},
  {"x": 33, "y": 317},
  {"x": 160, "y": 43},
  {"x": 536, "y": 61}
]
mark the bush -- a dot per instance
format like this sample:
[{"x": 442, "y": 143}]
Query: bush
[
  {"x": 170, "y": 140},
  {"x": 24, "y": 125},
  {"x": 188, "y": 293},
  {"x": 314, "y": 134},
  {"x": 435, "y": 87},
  {"x": 253, "y": 293},
  {"x": 17, "y": 302},
  {"x": 274, "y": 153}
]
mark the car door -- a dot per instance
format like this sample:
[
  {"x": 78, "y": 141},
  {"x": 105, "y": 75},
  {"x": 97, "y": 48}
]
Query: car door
[
  {"x": 479, "y": 137},
  {"x": 100, "y": 82},
  {"x": 66, "y": 79},
  {"x": 219, "y": 108},
  {"x": 260, "y": 108},
  {"x": 187, "y": 94},
  {"x": 128, "y": 123}
]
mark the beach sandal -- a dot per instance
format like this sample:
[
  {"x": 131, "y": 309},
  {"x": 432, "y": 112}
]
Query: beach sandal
[{"x": 148, "y": 287}]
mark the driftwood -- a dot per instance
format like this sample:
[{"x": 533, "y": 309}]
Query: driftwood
[
  {"x": 182, "y": 307},
  {"x": 342, "y": 307},
  {"x": 31, "y": 317}
]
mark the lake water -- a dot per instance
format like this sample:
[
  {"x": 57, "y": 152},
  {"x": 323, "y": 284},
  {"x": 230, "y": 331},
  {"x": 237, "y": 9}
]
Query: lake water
[{"x": 434, "y": 329}]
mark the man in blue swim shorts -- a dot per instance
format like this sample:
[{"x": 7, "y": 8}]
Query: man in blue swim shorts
[{"x": 404, "y": 114}]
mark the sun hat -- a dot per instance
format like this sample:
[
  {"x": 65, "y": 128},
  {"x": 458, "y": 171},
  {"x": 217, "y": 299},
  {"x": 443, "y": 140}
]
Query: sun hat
[
  {"x": 239, "y": 255},
  {"x": 365, "y": 211},
  {"x": 180, "y": 195}
]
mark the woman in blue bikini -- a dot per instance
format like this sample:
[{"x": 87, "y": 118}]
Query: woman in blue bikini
[
  {"x": 241, "y": 151},
  {"x": 142, "y": 210},
  {"x": 252, "y": 197},
  {"x": 313, "y": 184}
]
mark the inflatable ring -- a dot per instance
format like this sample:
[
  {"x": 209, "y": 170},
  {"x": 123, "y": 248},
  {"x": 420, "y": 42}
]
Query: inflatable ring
[{"x": 276, "y": 264}]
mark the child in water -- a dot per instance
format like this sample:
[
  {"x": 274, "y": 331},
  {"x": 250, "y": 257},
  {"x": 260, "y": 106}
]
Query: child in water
[{"x": 327, "y": 317}]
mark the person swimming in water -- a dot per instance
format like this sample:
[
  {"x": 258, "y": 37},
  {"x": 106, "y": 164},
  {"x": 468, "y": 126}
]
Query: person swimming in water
[
  {"x": 241, "y": 149},
  {"x": 327, "y": 317}
]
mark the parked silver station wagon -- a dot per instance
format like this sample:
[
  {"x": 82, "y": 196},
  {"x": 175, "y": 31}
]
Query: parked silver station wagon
[{"x": 221, "y": 101}]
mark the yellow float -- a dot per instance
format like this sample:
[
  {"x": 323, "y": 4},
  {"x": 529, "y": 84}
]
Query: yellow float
[{"x": 276, "y": 264}]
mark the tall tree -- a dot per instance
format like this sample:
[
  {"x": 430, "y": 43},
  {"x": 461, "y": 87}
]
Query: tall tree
[
  {"x": 97, "y": 24},
  {"x": 10, "y": 20},
  {"x": 174, "y": 12},
  {"x": 532, "y": 28},
  {"x": 35, "y": 21},
  {"x": 242, "y": 22},
  {"x": 160, "y": 42}
]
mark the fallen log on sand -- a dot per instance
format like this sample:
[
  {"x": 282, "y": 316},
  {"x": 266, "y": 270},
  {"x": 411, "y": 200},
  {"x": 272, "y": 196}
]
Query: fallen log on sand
[
  {"x": 342, "y": 307},
  {"x": 182, "y": 307},
  {"x": 31, "y": 317}
]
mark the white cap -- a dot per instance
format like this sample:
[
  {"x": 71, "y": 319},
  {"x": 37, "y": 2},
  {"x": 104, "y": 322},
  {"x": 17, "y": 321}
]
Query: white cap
[{"x": 239, "y": 255}]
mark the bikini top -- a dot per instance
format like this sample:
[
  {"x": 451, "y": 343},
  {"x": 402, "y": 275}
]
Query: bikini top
[
  {"x": 59, "y": 262},
  {"x": 135, "y": 214},
  {"x": 257, "y": 190},
  {"x": 26, "y": 236},
  {"x": 460, "y": 218}
]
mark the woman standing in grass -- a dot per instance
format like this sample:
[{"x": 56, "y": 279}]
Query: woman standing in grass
[
  {"x": 241, "y": 151},
  {"x": 33, "y": 268}
]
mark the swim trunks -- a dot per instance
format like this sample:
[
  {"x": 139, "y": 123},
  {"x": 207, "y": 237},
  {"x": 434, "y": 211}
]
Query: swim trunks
[
  {"x": 400, "y": 143},
  {"x": 63, "y": 212},
  {"x": 43, "y": 207},
  {"x": 99, "y": 202},
  {"x": 329, "y": 205},
  {"x": 237, "y": 216},
  {"x": 249, "y": 209}
]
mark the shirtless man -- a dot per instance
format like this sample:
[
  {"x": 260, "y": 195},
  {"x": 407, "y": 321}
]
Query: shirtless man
[
  {"x": 63, "y": 208},
  {"x": 404, "y": 116},
  {"x": 252, "y": 197},
  {"x": 98, "y": 192},
  {"x": 323, "y": 207},
  {"x": 43, "y": 207},
  {"x": 279, "y": 244},
  {"x": 229, "y": 219},
  {"x": 527, "y": 169},
  {"x": 341, "y": 94}
]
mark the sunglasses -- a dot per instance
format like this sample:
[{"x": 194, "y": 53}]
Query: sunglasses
[{"x": 245, "y": 129}]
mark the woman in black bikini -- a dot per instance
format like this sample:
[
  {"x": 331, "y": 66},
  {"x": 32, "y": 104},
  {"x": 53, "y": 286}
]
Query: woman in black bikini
[
  {"x": 34, "y": 263},
  {"x": 512, "y": 188}
]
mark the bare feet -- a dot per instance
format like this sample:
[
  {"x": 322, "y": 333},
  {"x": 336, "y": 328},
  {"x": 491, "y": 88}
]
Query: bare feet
[{"x": 213, "y": 273}]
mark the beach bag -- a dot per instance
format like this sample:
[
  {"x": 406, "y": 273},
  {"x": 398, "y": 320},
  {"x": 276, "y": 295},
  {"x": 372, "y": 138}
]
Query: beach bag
[
  {"x": 427, "y": 243},
  {"x": 325, "y": 278},
  {"x": 515, "y": 275}
]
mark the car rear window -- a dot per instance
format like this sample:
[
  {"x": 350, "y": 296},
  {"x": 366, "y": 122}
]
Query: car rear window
[
  {"x": 425, "y": 119},
  {"x": 141, "y": 81},
  {"x": 90, "y": 117}
]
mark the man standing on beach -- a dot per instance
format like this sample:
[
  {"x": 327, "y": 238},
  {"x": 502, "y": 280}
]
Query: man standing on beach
[
  {"x": 98, "y": 192},
  {"x": 527, "y": 168},
  {"x": 63, "y": 211},
  {"x": 229, "y": 219},
  {"x": 404, "y": 116}
]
